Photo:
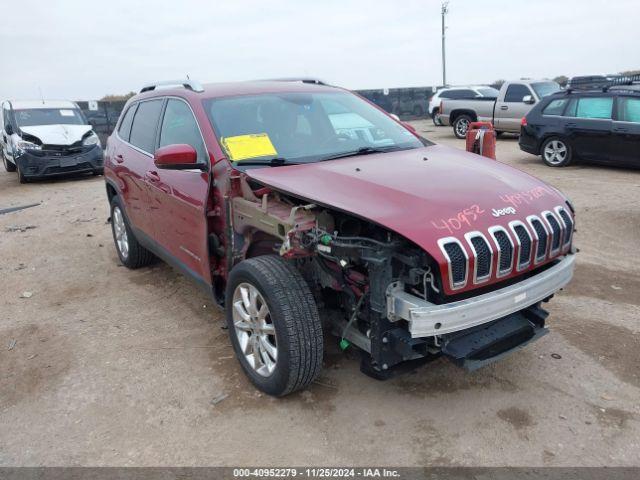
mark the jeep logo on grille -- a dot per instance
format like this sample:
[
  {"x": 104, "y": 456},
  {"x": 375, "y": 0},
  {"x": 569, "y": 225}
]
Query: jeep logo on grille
[{"x": 499, "y": 212}]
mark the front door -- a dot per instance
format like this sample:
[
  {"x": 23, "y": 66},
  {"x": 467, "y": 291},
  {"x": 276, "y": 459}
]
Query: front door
[
  {"x": 626, "y": 132},
  {"x": 510, "y": 110},
  {"x": 179, "y": 197},
  {"x": 588, "y": 127}
]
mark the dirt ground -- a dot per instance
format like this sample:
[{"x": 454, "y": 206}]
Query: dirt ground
[{"x": 101, "y": 365}]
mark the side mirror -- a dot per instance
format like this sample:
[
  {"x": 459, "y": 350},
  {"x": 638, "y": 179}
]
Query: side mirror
[
  {"x": 179, "y": 156},
  {"x": 9, "y": 129},
  {"x": 528, "y": 99}
]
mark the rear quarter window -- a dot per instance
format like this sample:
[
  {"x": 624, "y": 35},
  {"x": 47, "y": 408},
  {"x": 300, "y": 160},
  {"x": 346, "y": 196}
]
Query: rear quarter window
[
  {"x": 124, "y": 130},
  {"x": 555, "y": 107},
  {"x": 145, "y": 123}
]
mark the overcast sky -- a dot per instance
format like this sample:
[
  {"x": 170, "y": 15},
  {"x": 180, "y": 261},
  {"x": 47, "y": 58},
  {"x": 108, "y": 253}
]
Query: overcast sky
[{"x": 82, "y": 50}]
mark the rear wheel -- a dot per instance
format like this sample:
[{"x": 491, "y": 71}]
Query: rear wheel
[
  {"x": 437, "y": 121},
  {"x": 131, "y": 253},
  {"x": 274, "y": 325},
  {"x": 556, "y": 152},
  {"x": 461, "y": 126}
]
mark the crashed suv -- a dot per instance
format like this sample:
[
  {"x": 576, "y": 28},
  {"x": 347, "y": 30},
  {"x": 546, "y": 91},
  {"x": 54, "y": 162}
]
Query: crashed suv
[{"x": 305, "y": 210}]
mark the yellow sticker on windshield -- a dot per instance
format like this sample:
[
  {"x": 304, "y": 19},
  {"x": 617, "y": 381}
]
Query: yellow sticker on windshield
[{"x": 243, "y": 147}]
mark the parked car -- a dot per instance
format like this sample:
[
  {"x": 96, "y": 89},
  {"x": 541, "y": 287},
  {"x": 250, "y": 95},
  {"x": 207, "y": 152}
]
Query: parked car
[
  {"x": 285, "y": 200},
  {"x": 457, "y": 93},
  {"x": 514, "y": 100},
  {"x": 42, "y": 138},
  {"x": 594, "y": 126}
]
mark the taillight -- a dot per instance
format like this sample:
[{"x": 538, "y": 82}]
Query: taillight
[
  {"x": 441, "y": 106},
  {"x": 523, "y": 122}
]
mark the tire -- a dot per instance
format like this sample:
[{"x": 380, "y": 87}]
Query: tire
[
  {"x": 291, "y": 315},
  {"x": 134, "y": 255},
  {"x": 556, "y": 152},
  {"x": 435, "y": 116},
  {"x": 8, "y": 166},
  {"x": 461, "y": 125}
]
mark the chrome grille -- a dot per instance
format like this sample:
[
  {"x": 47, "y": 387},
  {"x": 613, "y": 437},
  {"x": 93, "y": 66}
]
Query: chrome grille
[
  {"x": 541, "y": 234},
  {"x": 541, "y": 237},
  {"x": 458, "y": 261},
  {"x": 483, "y": 256},
  {"x": 556, "y": 231},
  {"x": 505, "y": 250},
  {"x": 568, "y": 225},
  {"x": 524, "y": 241}
]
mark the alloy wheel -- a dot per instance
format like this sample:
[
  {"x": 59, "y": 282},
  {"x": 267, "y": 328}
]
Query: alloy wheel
[
  {"x": 254, "y": 329},
  {"x": 120, "y": 232},
  {"x": 555, "y": 152},
  {"x": 462, "y": 126}
]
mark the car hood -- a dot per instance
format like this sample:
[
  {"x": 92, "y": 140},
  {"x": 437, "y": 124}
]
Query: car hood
[
  {"x": 57, "y": 134},
  {"x": 422, "y": 194}
]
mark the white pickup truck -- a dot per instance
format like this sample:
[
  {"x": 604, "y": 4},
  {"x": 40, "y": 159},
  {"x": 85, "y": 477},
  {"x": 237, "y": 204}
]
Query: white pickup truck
[{"x": 514, "y": 101}]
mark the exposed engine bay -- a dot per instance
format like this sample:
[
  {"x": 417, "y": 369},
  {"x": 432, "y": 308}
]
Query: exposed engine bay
[{"x": 351, "y": 265}]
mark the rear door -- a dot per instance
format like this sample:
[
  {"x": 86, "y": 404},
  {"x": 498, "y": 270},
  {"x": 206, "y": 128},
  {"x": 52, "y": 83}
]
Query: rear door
[
  {"x": 626, "y": 131},
  {"x": 510, "y": 109},
  {"x": 589, "y": 127},
  {"x": 135, "y": 159},
  {"x": 179, "y": 197}
]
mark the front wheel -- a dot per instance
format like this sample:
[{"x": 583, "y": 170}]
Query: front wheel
[
  {"x": 435, "y": 116},
  {"x": 274, "y": 325},
  {"x": 8, "y": 166},
  {"x": 461, "y": 126},
  {"x": 556, "y": 152}
]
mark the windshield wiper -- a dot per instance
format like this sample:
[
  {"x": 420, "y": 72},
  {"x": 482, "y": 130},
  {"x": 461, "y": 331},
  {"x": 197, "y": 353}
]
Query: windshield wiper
[
  {"x": 272, "y": 162},
  {"x": 361, "y": 151}
]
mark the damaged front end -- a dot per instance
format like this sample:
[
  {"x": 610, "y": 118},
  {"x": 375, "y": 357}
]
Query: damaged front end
[{"x": 382, "y": 293}]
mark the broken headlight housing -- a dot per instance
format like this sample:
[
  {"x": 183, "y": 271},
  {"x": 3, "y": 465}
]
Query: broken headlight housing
[
  {"x": 22, "y": 146},
  {"x": 91, "y": 140}
]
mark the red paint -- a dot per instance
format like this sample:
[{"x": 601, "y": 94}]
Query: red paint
[
  {"x": 454, "y": 190},
  {"x": 179, "y": 154}
]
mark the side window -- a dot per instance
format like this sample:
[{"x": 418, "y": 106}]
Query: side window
[
  {"x": 143, "y": 130},
  {"x": 447, "y": 94},
  {"x": 591, "y": 107},
  {"x": 179, "y": 126},
  {"x": 516, "y": 92},
  {"x": 629, "y": 110},
  {"x": 125, "y": 126},
  {"x": 555, "y": 107},
  {"x": 467, "y": 94}
]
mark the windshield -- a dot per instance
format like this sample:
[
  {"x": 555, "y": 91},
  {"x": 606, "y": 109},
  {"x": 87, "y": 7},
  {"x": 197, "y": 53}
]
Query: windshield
[
  {"x": 49, "y": 116},
  {"x": 303, "y": 127},
  {"x": 488, "y": 92},
  {"x": 543, "y": 89}
]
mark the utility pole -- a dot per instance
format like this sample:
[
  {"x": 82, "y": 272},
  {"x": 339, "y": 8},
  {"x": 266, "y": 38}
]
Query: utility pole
[{"x": 445, "y": 10}]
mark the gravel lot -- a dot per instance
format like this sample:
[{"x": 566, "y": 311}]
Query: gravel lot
[{"x": 106, "y": 366}]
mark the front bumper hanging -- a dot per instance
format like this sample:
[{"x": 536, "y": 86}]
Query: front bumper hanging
[{"x": 427, "y": 319}]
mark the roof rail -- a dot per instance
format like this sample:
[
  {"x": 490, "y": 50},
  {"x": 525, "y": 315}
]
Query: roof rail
[
  {"x": 315, "y": 81},
  {"x": 188, "y": 84},
  {"x": 601, "y": 82}
]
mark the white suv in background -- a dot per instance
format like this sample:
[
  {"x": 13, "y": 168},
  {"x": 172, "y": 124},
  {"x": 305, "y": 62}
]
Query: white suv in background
[{"x": 457, "y": 93}]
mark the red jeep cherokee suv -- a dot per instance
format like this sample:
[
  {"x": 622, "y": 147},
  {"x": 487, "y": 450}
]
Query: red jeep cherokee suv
[{"x": 283, "y": 199}]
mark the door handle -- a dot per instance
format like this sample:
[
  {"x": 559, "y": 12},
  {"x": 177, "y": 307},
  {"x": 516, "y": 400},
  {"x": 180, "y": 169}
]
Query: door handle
[
  {"x": 119, "y": 158},
  {"x": 504, "y": 107},
  {"x": 572, "y": 125},
  {"x": 152, "y": 176},
  {"x": 620, "y": 129}
]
